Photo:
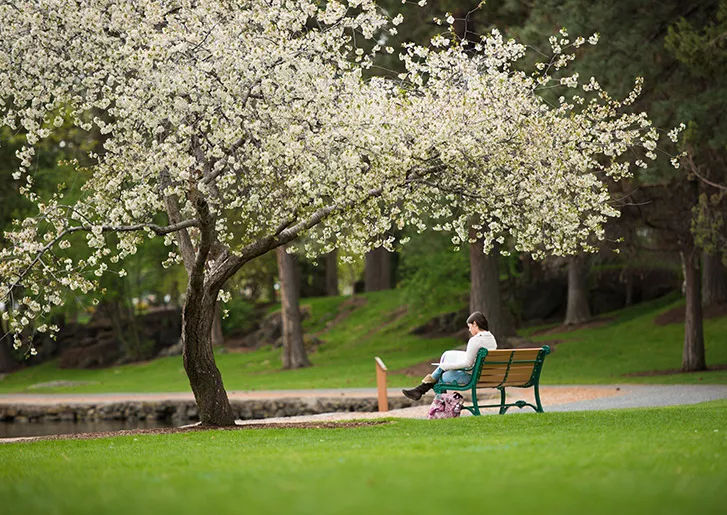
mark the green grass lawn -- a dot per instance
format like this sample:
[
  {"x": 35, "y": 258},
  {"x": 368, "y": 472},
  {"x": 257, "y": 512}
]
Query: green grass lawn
[
  {"x": 629, "y": 342},
  {"x": 661, "y": 460}
]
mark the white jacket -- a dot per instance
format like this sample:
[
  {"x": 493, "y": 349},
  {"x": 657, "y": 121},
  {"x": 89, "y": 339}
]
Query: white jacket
[{"x": 457, "y": 359}]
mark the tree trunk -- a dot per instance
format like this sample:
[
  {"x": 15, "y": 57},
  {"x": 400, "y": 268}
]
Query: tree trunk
[
  {"x": 578, "y": 310},
  {"x": 332, "y": 274},
  {"x": 714, "y": 281},
  {"x": 7, "y": 362},
  {"x": 199, "y": 361},
  {"x": 294, "y": 355},
  {"x": 123, "y": 323},
  {"x": 270, "y": 287},
  {"x": 629, "y": 287},
  {"x": 485, "y": 292},
  {"x": 693, "y": 356},
  {"x": 218, "y": 339},
  {"x": 377, "y": 270}
]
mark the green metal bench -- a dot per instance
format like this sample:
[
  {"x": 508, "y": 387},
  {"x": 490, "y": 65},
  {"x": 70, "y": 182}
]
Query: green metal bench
[{"x": 518, "y": 368}]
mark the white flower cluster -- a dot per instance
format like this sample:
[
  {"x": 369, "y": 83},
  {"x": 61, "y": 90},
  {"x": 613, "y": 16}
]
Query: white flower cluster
[{"x": 249, "y": 123}]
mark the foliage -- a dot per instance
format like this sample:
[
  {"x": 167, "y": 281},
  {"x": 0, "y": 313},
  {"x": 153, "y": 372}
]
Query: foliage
[
  {"x": 698, "y": 43},
  {"x": 432, "y": 274},
  {"x": 661, "y": 460},
  {"x": 240, "y": 315},
  {"x": 702, "y": 49},
  {"x": 245, "y": 125}
]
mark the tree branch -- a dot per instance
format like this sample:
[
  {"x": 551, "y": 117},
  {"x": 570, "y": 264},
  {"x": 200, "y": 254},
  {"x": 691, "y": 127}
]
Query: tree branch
[
  {"x": 104, "y": 228},
  {"x": 171, "y": 202},
  {"x": 284, "y": 234},
  {"x": 207, "y": 239},
  {"x": 694, "y": 170}
]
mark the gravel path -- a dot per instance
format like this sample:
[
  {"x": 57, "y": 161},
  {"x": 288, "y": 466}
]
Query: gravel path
[{"x": 644, "y": 396}]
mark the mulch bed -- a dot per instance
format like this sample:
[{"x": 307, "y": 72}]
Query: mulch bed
[
  {"x": 676, "y": 315},
  {"x": 193, "y": 429}
]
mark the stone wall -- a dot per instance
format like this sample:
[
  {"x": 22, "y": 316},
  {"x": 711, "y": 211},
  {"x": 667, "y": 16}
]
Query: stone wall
[{"x": 185, "y": 412}]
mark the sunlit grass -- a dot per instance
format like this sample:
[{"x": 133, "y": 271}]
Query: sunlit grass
[{"x": 665, "y": 460}]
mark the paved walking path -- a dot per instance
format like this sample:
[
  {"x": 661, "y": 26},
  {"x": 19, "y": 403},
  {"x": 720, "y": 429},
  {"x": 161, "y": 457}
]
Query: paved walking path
[{"x": 556, "y": 398}]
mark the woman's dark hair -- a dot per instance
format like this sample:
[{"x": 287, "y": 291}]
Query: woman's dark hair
[{"x": 479, "y": 319}]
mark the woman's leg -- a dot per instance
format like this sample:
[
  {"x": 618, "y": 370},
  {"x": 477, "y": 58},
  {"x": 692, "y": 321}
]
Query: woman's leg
[
  {"x": 437, "y": 374},
  {"x": 427, "y": 384},
  {"x": 459, "y": 377}
]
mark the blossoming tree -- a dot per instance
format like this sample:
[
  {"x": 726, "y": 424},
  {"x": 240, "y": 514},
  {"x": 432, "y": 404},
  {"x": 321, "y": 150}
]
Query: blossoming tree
[{"x": 233, "y": 127}]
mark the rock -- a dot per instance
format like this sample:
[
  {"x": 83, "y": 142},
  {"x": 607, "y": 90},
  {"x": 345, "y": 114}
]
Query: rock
[
  {"x": 172, "y": 350},
  {"x": 271, "y": 330},
  {"x": 100, "y": 354},
  {"x": 67, "y": 416},
  {"x": 543, "y": 300},
  {"x": 443, "y": 325},
  {"x": 184, "y": 412},
  {"x": 517, "y": 342}
]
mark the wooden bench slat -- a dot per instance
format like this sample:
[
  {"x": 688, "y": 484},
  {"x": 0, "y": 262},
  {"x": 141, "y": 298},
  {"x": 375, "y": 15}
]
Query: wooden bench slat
[
  {"x": 505, "y": 354},
  {"x": 502, "y": 381},
  {"x": 509, "y": 374},
  {"x": 514, "y": 367}
]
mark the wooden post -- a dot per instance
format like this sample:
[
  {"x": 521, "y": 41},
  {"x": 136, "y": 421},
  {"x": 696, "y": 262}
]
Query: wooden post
[{"x": 381, "y": 384}]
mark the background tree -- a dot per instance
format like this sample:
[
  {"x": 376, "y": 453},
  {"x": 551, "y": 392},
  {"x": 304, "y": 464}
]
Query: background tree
[
  {"x": 578, "y": 309},
  {"x": 485, "y": 294},
  {"x": 377, "y": 270},
  {"x": 699, "y": 44},
  {"x": 331, "y": 268},
  {"x": 294, "y": 355},
  {"x": 469, "y": 21},
  {"x": 673, "y": 93}
]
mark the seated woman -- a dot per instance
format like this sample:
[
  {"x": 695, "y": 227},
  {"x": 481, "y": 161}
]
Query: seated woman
[{"x": 453, "y": 362}]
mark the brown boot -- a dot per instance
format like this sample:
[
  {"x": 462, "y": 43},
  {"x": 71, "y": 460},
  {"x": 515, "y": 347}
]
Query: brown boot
[{"x": 416, "y": 393}]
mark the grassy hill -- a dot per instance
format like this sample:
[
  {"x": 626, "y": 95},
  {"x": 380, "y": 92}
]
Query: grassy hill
[{"x": 354, "y": 330}]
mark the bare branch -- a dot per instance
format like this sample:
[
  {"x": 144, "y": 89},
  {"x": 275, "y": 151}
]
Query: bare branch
[
  {"x": 693, "y": 169},
  {"x": 171, "y": 202}
]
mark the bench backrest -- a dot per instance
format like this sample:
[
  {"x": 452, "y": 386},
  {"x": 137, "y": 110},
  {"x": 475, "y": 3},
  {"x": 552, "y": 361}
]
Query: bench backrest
[{"x": 509, "y": 367}]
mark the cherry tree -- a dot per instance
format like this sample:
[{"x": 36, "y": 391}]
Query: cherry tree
[{"x": 232, "y": 128}]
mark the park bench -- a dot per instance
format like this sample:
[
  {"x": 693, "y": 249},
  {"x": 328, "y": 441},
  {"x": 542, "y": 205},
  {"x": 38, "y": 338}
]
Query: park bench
[{"x": 503, "y": 368}]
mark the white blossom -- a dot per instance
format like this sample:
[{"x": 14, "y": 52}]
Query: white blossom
[{"x": 254, "y": 122}]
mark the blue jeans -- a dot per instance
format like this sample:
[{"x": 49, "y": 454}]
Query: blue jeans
[{"x": 451, "y": 376}]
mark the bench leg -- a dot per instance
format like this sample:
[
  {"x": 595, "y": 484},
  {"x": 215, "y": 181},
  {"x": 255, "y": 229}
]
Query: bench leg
[
  {"x": 539, "y": 408},
  {"x": 475, "y": 406},
  {"x": 503, "y": 409}
]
